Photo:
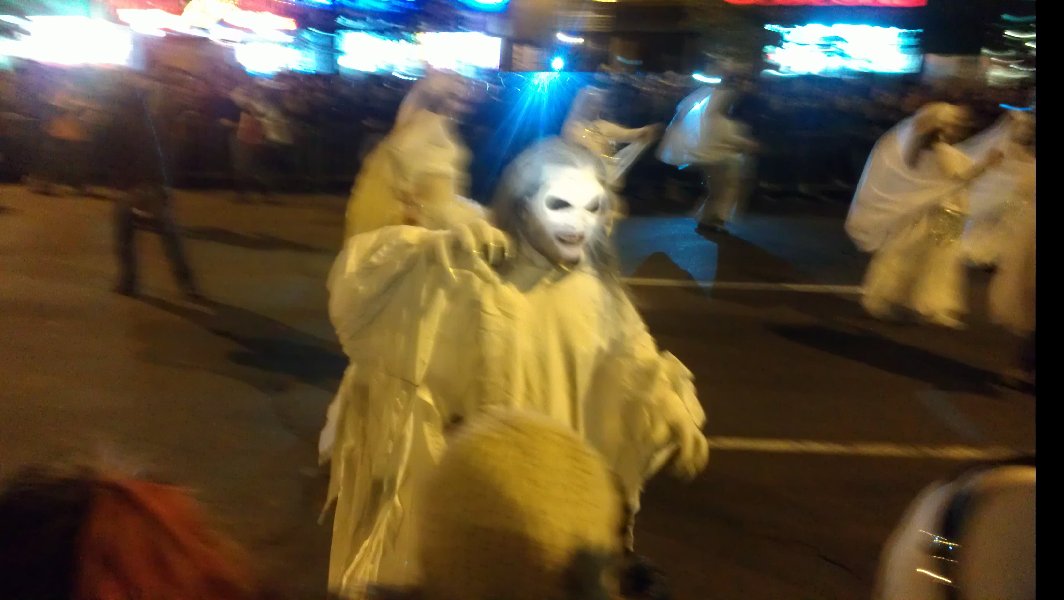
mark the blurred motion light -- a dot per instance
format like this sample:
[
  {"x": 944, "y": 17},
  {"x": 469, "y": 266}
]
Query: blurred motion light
[
  {"x": 557, "y": 63},
  {"x": 460, "y": 51},
  {"x": 71, "y": 40},
  {"x": 568, "y": 39},
  {"x": 267, "y": 59},
  {"x": 1022, "y": 35},
  {"x": 870, "y": 3},
  {"x": 705, "y": 79},
  {"x": 817, "y": 49},
  {"x": 486, "y": 5},
  {"x": 362, "y": 51}
]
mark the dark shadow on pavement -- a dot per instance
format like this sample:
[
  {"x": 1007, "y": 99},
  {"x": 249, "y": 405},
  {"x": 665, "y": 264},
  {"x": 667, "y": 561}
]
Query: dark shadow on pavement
[
  {"x": 660, "y": 265},
  {"x": 739, "y": 260},
  {"x": 894, "y": 357},
  {"x": 242, "y": 240},
  {"x": 266, "y": 344}
]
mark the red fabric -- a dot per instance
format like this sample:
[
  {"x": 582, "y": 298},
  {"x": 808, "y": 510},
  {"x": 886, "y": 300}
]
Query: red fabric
[{"x": 143, "y": 540}]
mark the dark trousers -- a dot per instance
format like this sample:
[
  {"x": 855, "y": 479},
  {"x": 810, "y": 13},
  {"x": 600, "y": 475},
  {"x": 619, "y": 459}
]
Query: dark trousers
[{"x": 148, "y": 207}]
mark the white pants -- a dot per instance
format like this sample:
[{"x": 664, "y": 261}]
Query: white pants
[{"x": 729, "y": 182}]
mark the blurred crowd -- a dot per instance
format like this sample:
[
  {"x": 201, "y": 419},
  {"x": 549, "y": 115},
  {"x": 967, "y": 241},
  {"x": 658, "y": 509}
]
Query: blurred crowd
[{"x": 302, "y": 132}]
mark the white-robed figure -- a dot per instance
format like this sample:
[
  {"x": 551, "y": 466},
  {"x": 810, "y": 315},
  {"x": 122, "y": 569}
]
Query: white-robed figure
[
  {"x": 703, "y": 134},
  {"x": 1002, "y": 197},
  {"x": 618, "y": 147},
  {"x": 418, "y": 174},
  {"x": 910, "y": 210},
  {"x": 439, "y": 325}
]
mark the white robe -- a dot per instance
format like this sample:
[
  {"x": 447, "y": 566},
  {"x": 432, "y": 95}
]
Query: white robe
[
  {"x": 702, "y": 134},
  {"x": 429, "y": 346},
  {"x": 1012, "y": 290},
  {"x": 920, "y": 265},
  {"x": 1001, "y": 195}
]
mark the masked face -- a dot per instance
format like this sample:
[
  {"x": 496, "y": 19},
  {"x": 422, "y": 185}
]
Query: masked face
[{"x": 565, "y": 214}]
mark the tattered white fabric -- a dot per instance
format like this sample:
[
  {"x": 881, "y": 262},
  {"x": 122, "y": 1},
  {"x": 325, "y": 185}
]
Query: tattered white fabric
[
  {"x": 423, "y": 145},
  {"x": 1012, "y": 290},
  {"x": 891, "y": 192},
  {"x": 701, "y": 133},
  {"x": 998, "y": 197},
  {"x": 430, "y": 346}
]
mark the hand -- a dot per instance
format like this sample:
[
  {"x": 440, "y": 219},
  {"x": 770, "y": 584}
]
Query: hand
[
  {"x": 483, "y": 239},
  {"x": 692, "y": 453},
  {"x": 479, "y": 238}
]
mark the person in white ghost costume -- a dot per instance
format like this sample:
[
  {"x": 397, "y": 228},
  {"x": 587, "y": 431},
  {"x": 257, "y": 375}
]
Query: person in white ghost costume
[
  {"x": 619, "y": 147},
  {"x": 1000, "y": 199},
  {"x": 418, "y": 174},
  {"x": 704, "y": 135},
  {"x": 910, "y": 210},
  {"x": 440, "y": 325}
]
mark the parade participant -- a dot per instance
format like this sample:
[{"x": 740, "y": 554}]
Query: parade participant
[
  {"x": 706, "y": 133},
  {"x": 439, "y": 325},
  {"x": 417, "y": 174},
  {"x": 909, "y": 210},
  {"x": 1001, "y": 196},
  {"x": 587, "y": 125}
]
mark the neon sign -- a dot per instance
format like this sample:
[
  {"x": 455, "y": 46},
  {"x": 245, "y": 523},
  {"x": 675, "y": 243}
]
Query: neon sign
[{"x": 870, "y": 3}]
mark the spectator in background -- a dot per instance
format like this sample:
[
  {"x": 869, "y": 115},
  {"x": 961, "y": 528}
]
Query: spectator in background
[
  {"x": 140, "y": 172},
  {"x": 249, "y": 144},
  {"x": 64, "y": 156}
]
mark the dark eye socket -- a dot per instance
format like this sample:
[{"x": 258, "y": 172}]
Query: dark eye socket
[{"x": 557, "y": 204}]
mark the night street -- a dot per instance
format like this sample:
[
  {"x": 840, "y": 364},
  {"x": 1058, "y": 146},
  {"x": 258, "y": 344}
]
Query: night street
[{"x": 823, "y": 423}]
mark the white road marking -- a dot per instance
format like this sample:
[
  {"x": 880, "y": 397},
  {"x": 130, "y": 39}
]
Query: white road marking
[
  {"x": 752, "y": 286},
  {"x": 870, "y": 449}
]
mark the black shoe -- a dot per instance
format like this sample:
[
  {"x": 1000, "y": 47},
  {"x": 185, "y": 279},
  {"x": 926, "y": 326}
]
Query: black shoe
[
  {"x": 127, "y": 289},
  {"x": 714, "y": 227},
  {"x": 192, "y": 294}
]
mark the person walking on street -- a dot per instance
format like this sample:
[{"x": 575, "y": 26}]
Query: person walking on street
[{"x": 146, "y": 201}]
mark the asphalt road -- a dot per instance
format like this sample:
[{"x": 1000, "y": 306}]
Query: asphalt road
[{"x": 824, "y": 424}]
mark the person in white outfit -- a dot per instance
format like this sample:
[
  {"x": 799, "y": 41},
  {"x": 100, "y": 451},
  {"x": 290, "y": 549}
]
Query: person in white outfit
[
  {"x": 1000, "y": 198},
  {"x": 910, "y": 210},
  {"x": 618, "y": 147},
  {"x": 705, "y": 134},
  {"x": 440, "y": 325}
]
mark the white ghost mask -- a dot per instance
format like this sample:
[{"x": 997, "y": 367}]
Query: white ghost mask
[{"x": 566, "y": 214}]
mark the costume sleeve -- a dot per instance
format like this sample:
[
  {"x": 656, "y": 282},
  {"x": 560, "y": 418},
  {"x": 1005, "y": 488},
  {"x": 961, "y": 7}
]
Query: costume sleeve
[
  {"x": 617, "y": 133},
  {"x": 643, "y": 403}
]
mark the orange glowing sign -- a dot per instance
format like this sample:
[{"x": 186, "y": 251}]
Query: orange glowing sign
[{"x": 869, "y": 3}]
